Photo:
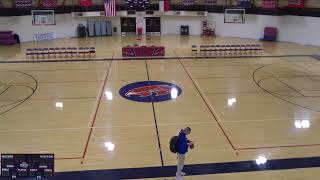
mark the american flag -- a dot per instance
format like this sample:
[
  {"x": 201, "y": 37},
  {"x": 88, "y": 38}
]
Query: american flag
[{"x": 110, "y": 8}]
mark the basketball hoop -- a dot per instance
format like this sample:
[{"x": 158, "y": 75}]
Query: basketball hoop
[{"x": 43, "y": 17}]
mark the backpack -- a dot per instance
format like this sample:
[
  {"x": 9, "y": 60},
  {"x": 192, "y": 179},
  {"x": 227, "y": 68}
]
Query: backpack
[{"x": 174, "y": 143}]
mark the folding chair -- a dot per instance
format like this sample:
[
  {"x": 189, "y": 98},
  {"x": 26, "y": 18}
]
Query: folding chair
[
  {"x": 69, "y": 51},
  {"x": 86, "y": 51},
  {"x": 45, "y": 52},
  {"x": 202, "y": 49},
  {"x": 208, "y": 50},
  {"x": 243, "y": 49},
  {"x": 74, "y": 51},
  {"x": 205, "y": 50},
  {"x": 228, "y": 50},
  {"x": 238, "y": 50},
  {"x": 218, "y": 50},
  {"x": 253, "y": 49},
  {"x": 194, "y": 49},
  {"x": 39, "y": 52},
  {"x": 213, "y": 50},
  {"x": 247, "y": 49},
  {"x": 223, "y": 49},
  {"x": 92, "y": 51},
  {"x": 57, "y": 51},
  {"x": 29, "y": 52},
  {"x": 34, "y": 52},
  {"x": 51, "y": 52},
  {"x": 81, "y": 52},
  {"x": 63, "y": 52},
  {"x": 258, "y": 49}
]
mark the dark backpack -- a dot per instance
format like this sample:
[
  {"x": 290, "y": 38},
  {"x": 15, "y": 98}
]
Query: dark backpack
[{"x": 174, "y": 144}]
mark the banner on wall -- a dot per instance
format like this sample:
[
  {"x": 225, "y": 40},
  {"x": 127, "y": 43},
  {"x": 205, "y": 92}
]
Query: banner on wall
[
  {"x": 244, "y": 3},
  {"x": 187, "y": 2},
  {"x": 269, "y": 4},
  {"x": 48, "y": 3},
  {"x": 210, "y": 2},
  {"x": 296, "y": 3},
  {"x": 44, "y": 37},
  {"x": 23, "y": 3},
  {"x": 85, "y": 3}
]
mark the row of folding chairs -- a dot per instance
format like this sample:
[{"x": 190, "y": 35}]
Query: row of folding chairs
[
  {"x": 61, "y": 52},
  {"x": 228, "y": 50}
]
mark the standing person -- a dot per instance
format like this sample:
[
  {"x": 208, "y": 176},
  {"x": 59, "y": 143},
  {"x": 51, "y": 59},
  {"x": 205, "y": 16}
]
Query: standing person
[{"x": 183, "y": 146}]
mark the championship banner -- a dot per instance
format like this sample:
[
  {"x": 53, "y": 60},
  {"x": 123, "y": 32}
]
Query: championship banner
[
  {"x": 244, "y": 3},
  {"x": 296, "y": 3},
  {"x": 44, "y": 37},
  {"x": 269, "y": 4},
  {"x": 210, "y": 2}
]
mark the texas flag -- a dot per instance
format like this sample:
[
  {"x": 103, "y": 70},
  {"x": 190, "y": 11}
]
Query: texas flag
[{"x": 164, "y": 5}]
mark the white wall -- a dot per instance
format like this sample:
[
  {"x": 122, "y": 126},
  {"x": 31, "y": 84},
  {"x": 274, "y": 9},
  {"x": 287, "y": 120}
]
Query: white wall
[
  {"x": 171, "y": 24},
  {"x": 65, "y": 26},
  {"x": 252, "y": 28},
  {"x": 299, "y": 29}
]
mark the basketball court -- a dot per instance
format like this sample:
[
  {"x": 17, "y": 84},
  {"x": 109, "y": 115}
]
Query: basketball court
[
  {"x": 238, "y": 109},
  {"x": 107, "y": 114}
]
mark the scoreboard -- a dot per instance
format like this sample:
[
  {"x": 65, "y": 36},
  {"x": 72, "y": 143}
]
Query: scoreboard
[{"x": 27, "y": 165}]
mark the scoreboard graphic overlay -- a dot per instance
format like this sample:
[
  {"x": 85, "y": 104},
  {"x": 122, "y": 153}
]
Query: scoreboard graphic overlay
[{"x": 27, "y": 165}]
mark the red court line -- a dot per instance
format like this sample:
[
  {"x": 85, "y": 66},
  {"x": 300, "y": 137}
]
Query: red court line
[
  {"x": 48, "y": 82},
  {"x": 95, "y": 113},
  {"x": 275, "y": 147},
  {"x": 213, "y": 114},
  {"x": 62, "y": 98},
  {"x": 83, "y": 69},
  {"x": 53, "y": 98},
  {"x": 68, "y": 158}
]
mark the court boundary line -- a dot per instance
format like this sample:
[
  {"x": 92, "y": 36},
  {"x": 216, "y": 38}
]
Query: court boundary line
[
  {"x": 55, "y": 82},
  {"x": 155, "y": 117},
  {"x": 49, "y": 70},
  {"x": 208, "y": 106},
  {"x": 144, "y": 125},
  {"x": 278, "y": 147},
  {"x": 193, "y": 169},
  {"x": 229, "y": 140},
  {"x": 96, "y": 112},
  {"x": 267, "y": 147},
  {"x": 249, "y": 77}
]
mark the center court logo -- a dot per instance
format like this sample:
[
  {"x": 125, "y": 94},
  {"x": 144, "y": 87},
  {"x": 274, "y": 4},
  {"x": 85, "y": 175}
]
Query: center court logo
[{"x": 150, "y": 91}]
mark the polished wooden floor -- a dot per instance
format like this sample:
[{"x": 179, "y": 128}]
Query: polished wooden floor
[{"x": 238, "y": 108}]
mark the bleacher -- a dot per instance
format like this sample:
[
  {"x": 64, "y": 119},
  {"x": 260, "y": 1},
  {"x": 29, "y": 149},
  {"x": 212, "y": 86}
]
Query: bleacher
[
  {"x": 174, "y": 3},
  {"x": 23, "y": 3},
  {"x": 7, "y": 38}
]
